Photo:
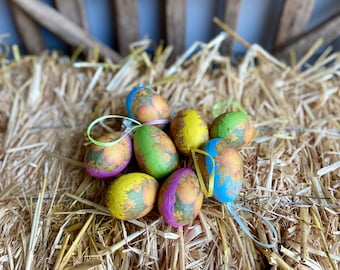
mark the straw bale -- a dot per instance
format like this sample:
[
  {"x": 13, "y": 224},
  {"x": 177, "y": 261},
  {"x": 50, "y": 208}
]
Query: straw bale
[{"x": 52, "y": 213}]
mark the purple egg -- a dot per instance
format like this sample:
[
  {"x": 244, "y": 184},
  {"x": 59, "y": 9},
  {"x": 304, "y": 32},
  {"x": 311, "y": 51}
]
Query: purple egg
[
  {"x": 180, "y": 198},
  {"x": 108, "y": 161}
]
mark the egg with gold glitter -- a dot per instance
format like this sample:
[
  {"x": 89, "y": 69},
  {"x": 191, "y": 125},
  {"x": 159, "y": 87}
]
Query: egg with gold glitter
[
  {"x": 234, "y": 127},
  {"x": 189, "y": 130},
  {"x": 144, "y": 105},
  {"x": 180, "y": 198},
  {"x": 155, "y": 152},
  {"x": 227, "y": 168},
  {"x": 108, "y": 161},
  {"x": 131, "y": 195}
]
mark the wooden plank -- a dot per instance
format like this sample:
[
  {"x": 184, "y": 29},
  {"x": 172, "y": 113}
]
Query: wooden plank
[
  {"x": 230, "y": 18},
  {"x": 328, "y": 31},
  {"x": 175, "y": 20},
  {"x": 294, "y": 18},
  {"x": 28, "y": 30},
  {"x": 74, "y": 10},
  {"x": 126, "y": 23},
  {"x": 63, "y": 27}
]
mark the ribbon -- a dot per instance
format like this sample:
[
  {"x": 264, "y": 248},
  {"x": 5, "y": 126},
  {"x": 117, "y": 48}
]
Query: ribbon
[
  {"x": 126, "y": 132},
  {"x": 222, "y": 106},
  {"x": 207, "y": 192},
  {"x": 130, "y": 123},
  {"x": 231, "y": 207}
]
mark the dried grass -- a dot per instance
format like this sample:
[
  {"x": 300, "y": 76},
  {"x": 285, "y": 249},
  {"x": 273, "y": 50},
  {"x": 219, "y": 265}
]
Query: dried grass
[{"x": 52, "y": 214}]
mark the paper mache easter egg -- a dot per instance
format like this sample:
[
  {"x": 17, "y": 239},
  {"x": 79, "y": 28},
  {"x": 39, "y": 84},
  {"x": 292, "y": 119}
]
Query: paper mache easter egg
[
  {"x": 144, "y": 105},
  {"x": 155, "y": 152},
  {"x": 228, "y": 169},
  {"x": 108, "y": 161},
  {"x": 131, "y": 195},
  {"x": 188, "y": 130},
  {"x": 180, "y": 198},
  {"x": 234, "y": 127}
]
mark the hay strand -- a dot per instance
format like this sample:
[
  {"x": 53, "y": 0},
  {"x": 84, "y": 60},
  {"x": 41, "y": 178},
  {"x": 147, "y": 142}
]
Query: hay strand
[
  {"x": 35, "y": 223},
  {"x": 68, "y": 254}
]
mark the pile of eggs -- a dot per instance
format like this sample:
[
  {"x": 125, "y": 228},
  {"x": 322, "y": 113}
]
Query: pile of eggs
[{"x": 161, "y": 147}]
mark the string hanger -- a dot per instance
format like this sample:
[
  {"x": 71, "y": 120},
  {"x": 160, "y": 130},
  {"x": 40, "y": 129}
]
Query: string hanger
[
  {"x": 129, "y": 123},
  {"x": 223, "y": 106},
  {"x": 232, "y": 210}
]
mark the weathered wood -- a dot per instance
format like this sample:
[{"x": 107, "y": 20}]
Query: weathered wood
[
  {"x": 294, "y": 18},
  {"x": 74, "y": 10},
  {"x": 175, "y": 19},
  {"x": 126, "y": 23},
  {"x": 63, "y": 27},
  {"x": 29, "y": 31},
  {"x": 230, "y": 18},
  {"x": 328, "y": 31}
]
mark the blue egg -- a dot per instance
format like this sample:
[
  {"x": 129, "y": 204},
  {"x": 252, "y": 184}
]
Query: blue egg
[
  {"x": 144, "y": 105},
  {"x": 228, "y": 169}
]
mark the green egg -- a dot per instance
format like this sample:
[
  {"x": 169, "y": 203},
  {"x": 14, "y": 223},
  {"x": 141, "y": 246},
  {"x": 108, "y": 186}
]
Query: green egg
[
  {"x": 155, "y": 152},
  {"x": 234, "y": 127}
]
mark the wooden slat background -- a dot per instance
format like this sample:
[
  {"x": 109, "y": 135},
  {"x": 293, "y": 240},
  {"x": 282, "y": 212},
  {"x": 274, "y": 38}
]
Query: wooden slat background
[
  {"x": 231, "y": 14},
  {"x": 29, "y": 30},
  {"x": 70, "y": 23},
  {"x": 126, "y": 23},
  {"x": 295, "y": 16},
  {"x": 175, "y": 24},
  {"x": 63, "y": 26},
  {"x": 326, "y": 31},
  {"x": 75, "y": 11}
]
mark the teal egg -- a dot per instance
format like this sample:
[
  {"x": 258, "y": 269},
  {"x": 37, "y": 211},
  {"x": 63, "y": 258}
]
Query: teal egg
[
  {"x": 228, "y": 169},
  {"x": 155, "y": 152}
]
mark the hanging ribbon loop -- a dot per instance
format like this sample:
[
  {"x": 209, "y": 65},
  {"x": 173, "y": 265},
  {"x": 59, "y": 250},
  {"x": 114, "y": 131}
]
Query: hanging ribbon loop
[
  {"x": 126, "y": 132},
  {"x": 222, "y": 106},
  {"x": 130, "y": 124},
  {"x": 231, "y": 207},
  {"x": 207, "y": 192}
]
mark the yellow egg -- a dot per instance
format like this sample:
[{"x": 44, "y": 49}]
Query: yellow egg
[
  {"x": 188, "y": 130},
  {"x": 132, "y": 195}
]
